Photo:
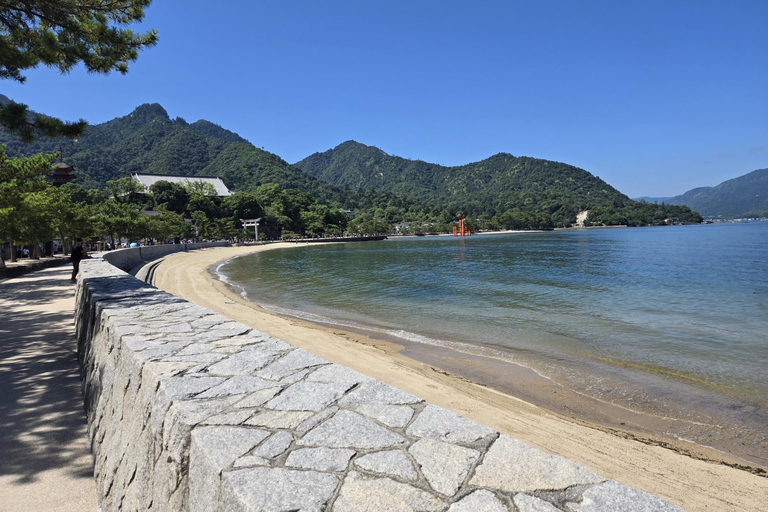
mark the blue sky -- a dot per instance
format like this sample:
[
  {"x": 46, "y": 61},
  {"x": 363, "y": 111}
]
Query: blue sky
[{"x": 655, "y": 97}]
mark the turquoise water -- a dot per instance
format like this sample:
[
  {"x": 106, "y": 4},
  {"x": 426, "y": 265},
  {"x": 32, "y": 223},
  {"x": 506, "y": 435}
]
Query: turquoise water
[{"x": 688, "y": 303}]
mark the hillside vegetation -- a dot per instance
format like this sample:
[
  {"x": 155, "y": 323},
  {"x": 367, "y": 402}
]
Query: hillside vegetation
[
  {"x": 745, "y": 196},
  {"x": 148, "y": 141},
  {"x": 383, "y": 191},
  {"x": 496, "y": 189}
]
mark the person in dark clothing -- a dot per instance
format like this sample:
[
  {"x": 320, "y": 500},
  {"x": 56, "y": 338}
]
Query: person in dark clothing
[{"x": 78, "y": 253}]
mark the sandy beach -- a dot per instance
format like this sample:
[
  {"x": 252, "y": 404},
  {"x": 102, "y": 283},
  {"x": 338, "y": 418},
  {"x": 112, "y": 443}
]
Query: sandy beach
[{"x": 693, "y": 484}]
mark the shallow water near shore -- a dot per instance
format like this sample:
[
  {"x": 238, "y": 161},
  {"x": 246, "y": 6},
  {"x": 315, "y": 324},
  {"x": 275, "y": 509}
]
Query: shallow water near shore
[{"x": 671, "y": 322}]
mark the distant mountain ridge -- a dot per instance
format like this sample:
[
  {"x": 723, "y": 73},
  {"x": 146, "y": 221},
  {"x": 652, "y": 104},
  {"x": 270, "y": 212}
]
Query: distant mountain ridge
[
  {"x": 357, "y": 165},
  {"x": 498, "y": 183},
  {"x": 502, "y": 191},
  {"x": 148, "y": 141},
  {"x": 745, "y": 196}
]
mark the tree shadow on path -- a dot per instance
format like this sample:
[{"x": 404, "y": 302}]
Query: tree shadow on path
[{"x": 42, "y": 421}]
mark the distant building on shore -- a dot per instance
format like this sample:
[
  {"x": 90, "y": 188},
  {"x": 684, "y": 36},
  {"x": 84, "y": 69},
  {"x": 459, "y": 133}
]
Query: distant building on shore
[{"x": 147, "y": 180}]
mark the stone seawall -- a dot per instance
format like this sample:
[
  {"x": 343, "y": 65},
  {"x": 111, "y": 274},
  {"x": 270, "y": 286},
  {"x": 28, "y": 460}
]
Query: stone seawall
[
  {"x": 126, "y": 259},
  {"x": 188, "y": 410}
]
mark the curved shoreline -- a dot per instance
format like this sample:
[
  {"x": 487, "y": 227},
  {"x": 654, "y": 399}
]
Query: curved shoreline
[{"x": 687, "y": 482}]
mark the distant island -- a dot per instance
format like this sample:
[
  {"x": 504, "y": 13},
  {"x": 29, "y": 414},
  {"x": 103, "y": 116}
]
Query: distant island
[{"x": 742, "y": 197}]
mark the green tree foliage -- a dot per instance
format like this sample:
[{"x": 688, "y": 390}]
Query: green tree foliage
[
  {"x": 24, "y": 214},
  {"x": 503, "y": 190},
  {"x": 32, "y": 211},
  {"x": 172, "y": 197},
  {"x": 62, "y": 34}
]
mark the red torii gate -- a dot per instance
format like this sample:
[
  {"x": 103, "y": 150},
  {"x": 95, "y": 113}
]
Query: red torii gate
[{"x": 462, "y": 228}]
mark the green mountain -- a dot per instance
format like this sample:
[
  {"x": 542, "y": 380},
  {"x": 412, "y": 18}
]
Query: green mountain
[
  {"x": 649, "y": 199},
  {"x": 502, "y": 191},
  {"x": 495, "y": 185},
  {"x": 148, "y": 141},
  {"x": 745, "y": 196}
]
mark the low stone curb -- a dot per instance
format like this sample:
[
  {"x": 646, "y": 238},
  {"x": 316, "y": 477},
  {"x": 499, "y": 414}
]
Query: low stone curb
[
  {"x": 189, "y": 410},
  {"x": 12, "y": 270}
]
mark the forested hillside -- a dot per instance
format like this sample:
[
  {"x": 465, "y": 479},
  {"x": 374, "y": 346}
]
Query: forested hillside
[
  {"x": 148, "y": 141},
  {"x": 745, "y": 196},
  {"x": 383, "y": 191},
  {"x": 499, "y": 187}
]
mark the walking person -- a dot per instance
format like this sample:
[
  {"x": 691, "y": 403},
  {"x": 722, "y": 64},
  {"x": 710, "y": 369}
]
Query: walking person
[{"x": 78, "y": 253}]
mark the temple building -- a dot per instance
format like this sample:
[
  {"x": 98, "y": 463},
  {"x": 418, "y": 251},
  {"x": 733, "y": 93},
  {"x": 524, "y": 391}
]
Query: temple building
[
  {"x": 62, "y": 174},
  {"x": 147, "y": 180}
]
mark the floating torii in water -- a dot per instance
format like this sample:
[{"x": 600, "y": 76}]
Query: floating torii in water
[{"x": 462, "y": 228}]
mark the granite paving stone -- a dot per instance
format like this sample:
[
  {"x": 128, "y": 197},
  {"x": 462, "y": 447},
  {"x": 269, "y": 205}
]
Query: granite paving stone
[
  {"x": 160, "y": 351},
  {"x": 248, "y": 339},
  {"x": 527, "y": 503},
  {"x": 195, "y": 348},
  {"x": 231, "y": 349},
  {"x": 181, "y": 417},
  {"x": 364, "y": 494},
  {"x": 249, "y": 461},
  {"x": 320, "y": 459},
  {"x": 307, "y": 396},
  {"x": 276, "y": 490},
  {"x": 289, "y": 364},
  {"x": 315, "y": 419},
  {"x": 207, "y": 321},
  {"x": 237, "y": 385},
  {"x": 390, "y": 415},
  {"x": 380, "y": 393},
  {"x": 610, "y": 496},
  {"x": 513, "y": 466},
  {"x": 347, "y": 429},
  {"x": 338, "y": 374},
  {"x": 444, "y": 465},
  {"x": 293, "y": 378},
  {"x": 448, "y": 426},
  {"x": 278, "y": 419},
  {"x": 258, "y": 398},
  {"x": 274, "y": 446},
  {"x": 223, "y": 444},
  {"x": 390, "y": 462},
  {"x": 228, "y": 418},
  {"x": 208, "y": 358},
  {"x": 246, "y": 362},
  {"x": 480, "y": 501},
  {"x": 213, "y": 449},
  {"x": 182, "y": 386}
]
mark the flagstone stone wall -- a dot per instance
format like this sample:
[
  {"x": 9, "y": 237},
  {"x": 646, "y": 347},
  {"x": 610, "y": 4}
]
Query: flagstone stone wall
[{"x": 191, "y": 411}]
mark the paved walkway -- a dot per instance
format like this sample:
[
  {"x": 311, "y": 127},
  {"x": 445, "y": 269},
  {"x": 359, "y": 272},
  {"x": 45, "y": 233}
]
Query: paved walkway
[
  {"x": 45, "y": 461},
  {"x": 22, "y": 266}
]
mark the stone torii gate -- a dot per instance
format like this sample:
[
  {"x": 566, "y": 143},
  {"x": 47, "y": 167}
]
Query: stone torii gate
[{"x": 252, "y": 223}]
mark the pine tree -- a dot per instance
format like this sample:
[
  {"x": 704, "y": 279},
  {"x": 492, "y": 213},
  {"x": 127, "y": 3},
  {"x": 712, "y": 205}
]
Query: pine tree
[{"x": 62, "y": 34}]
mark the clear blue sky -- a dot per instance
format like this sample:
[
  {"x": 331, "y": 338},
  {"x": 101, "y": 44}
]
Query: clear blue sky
[{"x": 655, "y": 97}]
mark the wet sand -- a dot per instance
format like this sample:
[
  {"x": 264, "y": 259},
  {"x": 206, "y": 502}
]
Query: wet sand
[{"x": 490, "y": 392}]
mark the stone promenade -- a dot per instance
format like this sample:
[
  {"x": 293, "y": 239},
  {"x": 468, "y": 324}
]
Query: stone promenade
[
  {"x": 45, "y": 460},
  {"x": 188, "y": 410}
]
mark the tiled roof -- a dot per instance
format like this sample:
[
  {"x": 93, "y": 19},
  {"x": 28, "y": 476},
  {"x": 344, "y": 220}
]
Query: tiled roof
[{"x": 150, "y": 179}]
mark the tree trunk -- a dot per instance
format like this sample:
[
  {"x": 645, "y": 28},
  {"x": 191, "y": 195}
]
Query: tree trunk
[{"x": 13, "y": 253}]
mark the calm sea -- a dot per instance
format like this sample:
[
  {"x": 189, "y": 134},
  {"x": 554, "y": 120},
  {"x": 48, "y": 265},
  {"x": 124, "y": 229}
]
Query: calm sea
[{"x": 686, "y": 303}]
